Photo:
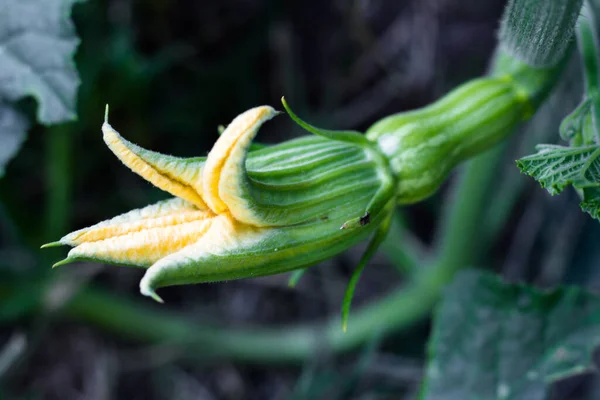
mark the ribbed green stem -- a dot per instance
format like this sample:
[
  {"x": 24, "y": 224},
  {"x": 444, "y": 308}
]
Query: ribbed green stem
[
  {"x": 586, "y": 39},
  {"x": 588, "y": 48},
  {"x": 426, "y": 144},
  {"x": 531, "y": 84},
  {"x": 538, "y": 32}
]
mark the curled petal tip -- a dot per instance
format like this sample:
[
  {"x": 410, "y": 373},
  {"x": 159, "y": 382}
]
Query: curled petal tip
[
  {"x": 106, "y": 114},
  {"x": 178, "y": 176},
  {"x": 148, "y": 291},
  {"x": 67, "y": 260},
  {"x": 224, "y": 174},
  {"x": 51, "y": 244}
]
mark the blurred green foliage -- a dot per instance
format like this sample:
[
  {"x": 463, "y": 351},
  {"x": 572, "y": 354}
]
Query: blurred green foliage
[{"x": 172, "y": 73}]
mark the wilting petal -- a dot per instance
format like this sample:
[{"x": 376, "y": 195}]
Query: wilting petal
[{"x": 179, "y": 176}]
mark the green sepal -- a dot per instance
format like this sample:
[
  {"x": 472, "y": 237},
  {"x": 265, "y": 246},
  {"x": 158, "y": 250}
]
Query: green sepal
[
  {"x": 344, "y": 136},
  {"x": 372, "y": 247},
  {"x": 296, "y": 276}
]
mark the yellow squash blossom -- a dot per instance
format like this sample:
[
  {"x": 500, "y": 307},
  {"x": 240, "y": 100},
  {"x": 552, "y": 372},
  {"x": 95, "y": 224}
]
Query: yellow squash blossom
[{"x": 238, "y": 213}]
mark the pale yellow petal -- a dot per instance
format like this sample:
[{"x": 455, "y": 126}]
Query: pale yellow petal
[
  {"x": 224, "y": 236},
  {"x": 144, "y": 247},
  {"x": 178, "y": 176},
  {"x": 163, "y": 213},
  {"x": 106, "y": 232},
  {"x": 237, "y": 136}
]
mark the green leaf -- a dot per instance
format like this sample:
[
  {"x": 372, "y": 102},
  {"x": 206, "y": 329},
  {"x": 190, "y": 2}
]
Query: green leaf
[
  {"x": 13, "y": 126},
  {"x": 37, "y": 42},
  {"x": 591, "y": 201},
  {"x": 556, "y": 167},
  {"x": 493, "y": 340}
]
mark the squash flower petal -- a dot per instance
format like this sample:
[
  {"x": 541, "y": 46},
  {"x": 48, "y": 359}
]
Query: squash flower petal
[{"x": 238, "y": 213}]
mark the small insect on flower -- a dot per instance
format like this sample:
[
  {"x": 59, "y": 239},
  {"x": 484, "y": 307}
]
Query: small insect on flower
[{"x": 239, "y": 213}]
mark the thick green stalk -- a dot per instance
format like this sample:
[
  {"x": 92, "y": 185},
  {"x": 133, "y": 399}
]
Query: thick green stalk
[
  {"x": 582, "y": 126},
  {"x": 539, "y": 32},
  {"x": 588, "y": 48},
  {"x": 424, "y": 145}
]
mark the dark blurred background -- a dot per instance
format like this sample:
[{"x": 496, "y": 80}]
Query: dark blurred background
[{"x": 172, "y": 72}]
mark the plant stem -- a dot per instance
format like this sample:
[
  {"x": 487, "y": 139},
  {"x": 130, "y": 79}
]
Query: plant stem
[
  {"x": 404, "y": 251},
  {"x": 58, "y": 153},
  {"x": 538, "y": 32},
  {"x": 588, "y": 48}
]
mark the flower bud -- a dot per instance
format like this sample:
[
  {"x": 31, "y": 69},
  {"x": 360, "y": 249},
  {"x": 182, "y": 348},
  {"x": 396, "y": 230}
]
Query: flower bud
[{"x": 240, "y": 214}]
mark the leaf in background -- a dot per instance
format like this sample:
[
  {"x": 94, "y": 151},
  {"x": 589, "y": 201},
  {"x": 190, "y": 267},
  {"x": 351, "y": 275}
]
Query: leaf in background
[
  {"x": 556, "y": 167},
  {"x": 591, "y": 201},
  {"x": 13, "y": 126},
  {"x": 492, "y": 340},
  {"x": 37, "y": 42}
]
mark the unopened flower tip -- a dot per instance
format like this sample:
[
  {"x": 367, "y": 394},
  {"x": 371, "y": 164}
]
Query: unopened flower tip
[
  {"x": 67, "y": 260},
  {"x": 51, "y": 244},
  {"x": 146, "y": 291}
]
